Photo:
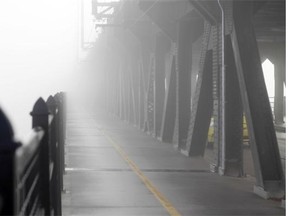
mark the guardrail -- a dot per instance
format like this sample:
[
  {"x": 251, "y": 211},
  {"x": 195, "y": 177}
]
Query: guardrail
[{"x": 31, "y": 176}]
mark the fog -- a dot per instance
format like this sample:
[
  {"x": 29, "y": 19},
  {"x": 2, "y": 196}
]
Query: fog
[{"x": 38, "y": 54}]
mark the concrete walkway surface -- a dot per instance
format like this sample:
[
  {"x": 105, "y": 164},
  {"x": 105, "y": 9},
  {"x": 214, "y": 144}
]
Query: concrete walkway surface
[{"x": 114, "y": 169}]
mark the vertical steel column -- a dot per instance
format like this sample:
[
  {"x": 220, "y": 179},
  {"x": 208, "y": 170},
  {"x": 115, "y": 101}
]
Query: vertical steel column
[
  {"x": 222, "y": 102},
  {"x": 216, "y": 42},
  {"x": 279, "y": 70},
  {"x": 144, "y": 73},
  {"x": 195, "y": 65},
  {"x": 128, "y": 90},
  {"x": 183, "y": 80},
  {"x": 176, "y": 123},
  {"x": 267, "y": 164},
  {"x": 233, "y": 157},
  {"x": 126, "y": 86},
  {"x": 228, "y": 112},
  {"x": 150, "y": 96},
  {"x": 135, "y": 79},
  {"x": 109, "y": 89},
  {"x": 56, "y": 140},
  {"x": 159, "y": 82},
  {"x": 141, "y": 96},
  {"x": 130, "y": 93},
  {"x": 40, "y": 118},
  {"x": 169, "y": 112},
  {"x": 123, "y": 93},
  {"x": 118, "y": 93},
  {"x": 113, "y": 89},
  {"x": 202, "y": 102}
]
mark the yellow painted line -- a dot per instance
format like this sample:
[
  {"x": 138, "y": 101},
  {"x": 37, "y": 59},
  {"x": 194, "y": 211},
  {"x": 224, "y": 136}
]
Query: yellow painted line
[{"x": 162, "y": 199}]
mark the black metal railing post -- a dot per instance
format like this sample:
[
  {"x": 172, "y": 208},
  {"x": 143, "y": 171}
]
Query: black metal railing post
[
  {"x": 56, "y": 157},
  {"x": 59, "y": 103},
  {"x": 31, "y": 177},
  {"x": 64, "y": 108},
  {"x": 40, "y": 118}
]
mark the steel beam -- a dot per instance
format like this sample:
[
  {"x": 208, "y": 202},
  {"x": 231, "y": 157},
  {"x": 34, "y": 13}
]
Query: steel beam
[
  {"x": 149, "y": 103},
  {"x": 279, "y": 67},
  {"x": 158, "y": 13},
  {"x": 135, "y": 81},
  {"x": 126, "y": 91},
  {"x": 233, "y": 116},
  {"x": 106, "y": 7},
  {"x": 144, "y": 70},
  {"x": 159, "y": 81},
  {"x": 190, "y": 28},
  {"x": 169, "y": 112},
  {"x": 118, "y": 93},
  {"x": 141, "y": 92},
  {"x": 123, "y": 94},
  {"x": 264, "y": 147},
  {"x": 208, "y": 10},
  {"x": 216, "y": 98},
  {"x": 131, "y": 93},
  {"x": 201, "y": 109},
  {"x": 202, "y": 101}
]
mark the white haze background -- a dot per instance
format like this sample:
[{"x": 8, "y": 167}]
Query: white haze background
[{"x": 38, "y": 54}]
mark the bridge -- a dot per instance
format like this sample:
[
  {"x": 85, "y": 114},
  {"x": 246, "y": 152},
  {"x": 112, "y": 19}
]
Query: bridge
[{"x": 157, "y": 124}]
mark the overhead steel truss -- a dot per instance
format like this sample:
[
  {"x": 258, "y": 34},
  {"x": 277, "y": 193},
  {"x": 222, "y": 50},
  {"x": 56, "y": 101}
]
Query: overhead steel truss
[{"x": 172, "y": 91}]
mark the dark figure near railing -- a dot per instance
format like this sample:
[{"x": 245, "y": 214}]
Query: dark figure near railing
[
  {"x": 7, "y": 150},
  {"x": 31, "y": 173}
]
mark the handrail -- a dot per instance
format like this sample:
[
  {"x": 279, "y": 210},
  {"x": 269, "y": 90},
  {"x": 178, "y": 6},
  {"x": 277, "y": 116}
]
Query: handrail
[
  {"x": 24, "y": 153},
  {"x": 31, "y": 177},
  {"x": 25, "y": 162}
]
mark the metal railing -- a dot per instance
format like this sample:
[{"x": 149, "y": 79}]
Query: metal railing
[
  {"x": 31, "y": 176},
  {"x": 272, "y": 105}
]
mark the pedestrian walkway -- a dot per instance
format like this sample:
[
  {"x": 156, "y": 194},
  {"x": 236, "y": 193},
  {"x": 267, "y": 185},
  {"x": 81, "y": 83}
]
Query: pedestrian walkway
[{"x": 114, "y": 169}]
